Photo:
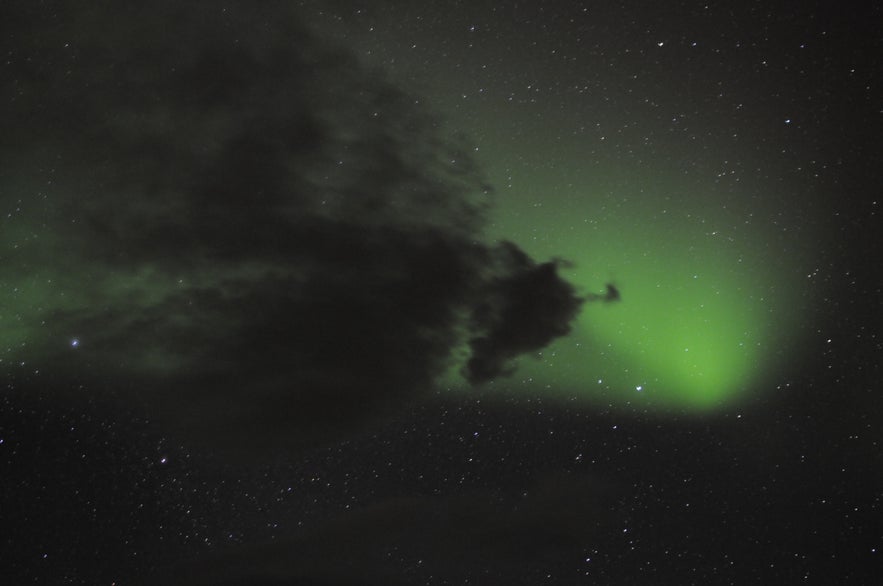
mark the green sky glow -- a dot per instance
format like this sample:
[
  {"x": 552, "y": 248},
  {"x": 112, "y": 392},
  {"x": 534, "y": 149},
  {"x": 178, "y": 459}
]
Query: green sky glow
[
  {"x": 709, "y": 278},
  {"x": 708, "y": 305},
  {"x": 709, "y": 302},
  {"x": 689, "y": 224}
]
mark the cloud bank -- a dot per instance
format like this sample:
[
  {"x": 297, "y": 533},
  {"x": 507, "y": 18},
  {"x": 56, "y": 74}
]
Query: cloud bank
[{"x": 259, "y": 239}]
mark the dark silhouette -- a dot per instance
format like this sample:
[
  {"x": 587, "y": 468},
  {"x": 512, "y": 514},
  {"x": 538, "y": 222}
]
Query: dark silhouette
[{"x": 612, "y": 294}]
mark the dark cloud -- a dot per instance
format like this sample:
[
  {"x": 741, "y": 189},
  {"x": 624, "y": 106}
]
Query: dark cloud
[
  {"x": 263, "y": 241},
  {"x": 526, "y": 306}
]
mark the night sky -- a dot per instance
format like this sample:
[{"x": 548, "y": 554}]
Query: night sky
[{"x": 404, "y": 293}]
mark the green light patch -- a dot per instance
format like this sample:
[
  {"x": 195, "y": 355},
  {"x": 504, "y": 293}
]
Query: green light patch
[{"x": 701, "y": 315}]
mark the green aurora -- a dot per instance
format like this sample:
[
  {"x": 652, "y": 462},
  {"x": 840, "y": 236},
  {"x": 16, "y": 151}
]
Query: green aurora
[
  {"x": 690, "y": 225},
  {"x": 710, "y": 288},
  {"x": 709, "y": 302},
  {"x": 707, "y": 309}
]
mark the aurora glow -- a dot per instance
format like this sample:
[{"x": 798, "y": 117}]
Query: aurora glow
[
  {"x": 706, "y": 309},
  {"x": 687, "y": 233}
]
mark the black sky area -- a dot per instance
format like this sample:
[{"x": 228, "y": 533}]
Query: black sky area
[{"x": 243, "y": 256}]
